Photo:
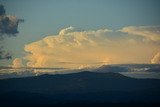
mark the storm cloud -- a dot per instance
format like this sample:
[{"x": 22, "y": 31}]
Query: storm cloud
[{"x": 72, "y": 48}]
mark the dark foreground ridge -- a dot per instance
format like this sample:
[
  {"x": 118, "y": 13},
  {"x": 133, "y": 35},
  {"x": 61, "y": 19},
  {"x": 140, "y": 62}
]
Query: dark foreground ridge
[{"x": 80, "y": 89}]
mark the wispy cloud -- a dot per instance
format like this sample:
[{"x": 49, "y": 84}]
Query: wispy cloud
[{"x": 148, "y": 33}]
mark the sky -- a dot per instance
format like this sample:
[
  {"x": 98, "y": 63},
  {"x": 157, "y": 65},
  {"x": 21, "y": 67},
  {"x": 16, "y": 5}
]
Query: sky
[{"x": 82, "y": 33}]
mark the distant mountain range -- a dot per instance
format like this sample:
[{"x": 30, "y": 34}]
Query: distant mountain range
[
  {"x": 153, "y": 69},
  {"x": 111, "y": 68},
  {"x": 79, "y": 88}
]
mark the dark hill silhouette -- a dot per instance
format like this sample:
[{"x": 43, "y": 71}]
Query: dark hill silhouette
[{"x": 83, "y": 87}]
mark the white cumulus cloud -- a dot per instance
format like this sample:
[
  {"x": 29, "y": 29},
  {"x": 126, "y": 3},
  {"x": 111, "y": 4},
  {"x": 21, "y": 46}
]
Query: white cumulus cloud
[{"x": 17, "y": 63}]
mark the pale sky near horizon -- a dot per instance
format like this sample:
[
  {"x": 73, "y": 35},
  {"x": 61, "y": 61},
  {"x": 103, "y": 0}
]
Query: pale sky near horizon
[{"x": 43, "y": 18}]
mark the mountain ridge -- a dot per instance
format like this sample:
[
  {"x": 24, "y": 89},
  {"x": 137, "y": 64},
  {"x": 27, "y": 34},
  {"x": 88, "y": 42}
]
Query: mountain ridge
[{"x": 79, "y": 87}]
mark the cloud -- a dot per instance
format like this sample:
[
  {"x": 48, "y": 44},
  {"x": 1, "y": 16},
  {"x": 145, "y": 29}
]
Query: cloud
[
  {"x": 8, "y": 23},
  {"x": 8, "y": 27},
  {"x": 66, "y": 30},
  {"x": 4, "y": 55},
  {"x": 17, "y": 63},
  {"x": 2, "y": 10},
  {"x": 156, "y": 59},
  {"x": 75, "y": 49},
  {"x": 148, "y": 33},
  {"x": 68, "y": 48}
]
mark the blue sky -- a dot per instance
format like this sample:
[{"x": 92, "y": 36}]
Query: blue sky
[{"x": 47, "y": 17}]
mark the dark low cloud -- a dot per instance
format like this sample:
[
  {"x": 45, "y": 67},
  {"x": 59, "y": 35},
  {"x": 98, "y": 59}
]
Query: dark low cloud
[
  {"x": 4, "y": 54},
  {"x": 8, "y": 28},
  {"x": 8, "y": 24},
  {"x": 2, "y": 10}
]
